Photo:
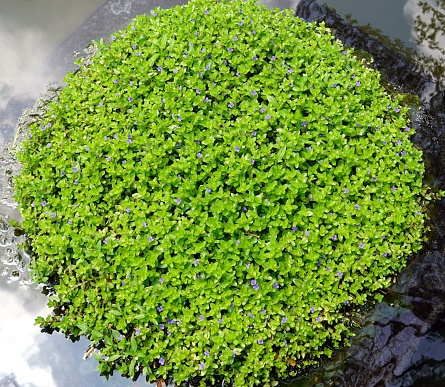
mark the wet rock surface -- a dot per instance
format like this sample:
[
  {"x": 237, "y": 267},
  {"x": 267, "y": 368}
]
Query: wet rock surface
[{"x": 402, "y": 339}]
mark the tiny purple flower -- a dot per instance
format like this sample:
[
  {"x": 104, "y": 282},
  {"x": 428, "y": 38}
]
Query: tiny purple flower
[
  {"x": 361, "y": 245},
  {"x": 403, "y": 153},
  {"x": 248, "y": 266},
  {"x": 196, "y": 263},
  {"x": 105, "y": 240},
  {"x": 201, "y": 318},
  {"x": 199, "y": 155},
  {"x": 307, "y": 233},
  {"x": 161, "y": 280},
  {"x": 138, "y": 53},
  {"x": 208, "y": 189},
  {"x": 161, "y": 361},
  {"x": 260, "y": 341},
  {"x": 312, "y": 310},
  {"x": 304, "y": 123},
  {"x": 179, "y": 118},
  {"x": 75, "y": 182},
  {"x": 129, "y": 141},
  {"x": 253, "y": 92},
  {"x": 344, "y": 52},
  {"x": 252, "y": 161},
  {"x": 357, "y": 207},
  {"x": 396, "y": 109},
  {"x": 48, "y": 145},
  {"x": 334, "y": 237},
  {"x": 75, "y": 169},
  {"x": 150, "y": 239},
  {"x": 178, "y": 201},
  {"x": 251, "y": 315},
  {"x": 206, "y": 353},
  {"x": 357, "y": 83},
  {"x": 263, "y": 311},
  {"x": 127, "y": 210},
  {"x": 268, "y": 117},
  {"x": 206, "y": 12},
  {"x": 175, "y": 71},
  {"x": 253, "y": 282},
  {"x": 113, "y": 38},
  {"x": 241, "y": 23},
  {"x": 256, "y": 287},
  {"x": 196, "y": 33},
  {"x": 53, "y": 215},
  {"x": 70, "y": 221},
  {"x": 202, "y": 366},
  {"x": 231, "y": 105},
  {"x": 160, "y": 308},
  {"x": 138, "y": 331},
  {"x": 394, "y": 188},
  {"x": 346, "y": 191},
  {"x": 318, "y": 319},
  {"x": 294, "y": 229},
  {"x": 284, "y": 320},
  {"x": 161, "y": 326},
  {"x": 255, "y": 57},
  {"x": 230, "y": 49},
  {"x": 237, "y": 149},
  {"x": 108, "y": 158},
  {"x": 340, "y": 273},
  {"x": 290, "y": 71},
  {"x": 221, "y": 320},
  {"x": 276, "y": 286},
  {"x": 207, "y": 67},
  {"x": 254, "y": 133}
]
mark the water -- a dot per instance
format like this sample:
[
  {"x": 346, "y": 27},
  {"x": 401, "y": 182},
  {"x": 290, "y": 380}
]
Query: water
[{"x": 403, "y": 339}]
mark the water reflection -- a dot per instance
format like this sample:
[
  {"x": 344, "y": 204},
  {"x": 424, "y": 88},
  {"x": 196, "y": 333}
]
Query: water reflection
[
  {"x": 429, "y": 19},
  {"x": 29, "y": 30},
  {"x": 19, "y": 338}
]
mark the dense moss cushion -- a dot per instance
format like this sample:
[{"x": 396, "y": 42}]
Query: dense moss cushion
[{"x": 213, "y": 189}]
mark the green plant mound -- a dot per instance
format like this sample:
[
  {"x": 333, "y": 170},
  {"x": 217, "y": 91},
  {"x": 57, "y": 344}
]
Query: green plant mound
[{"x": 213, "y": 188}]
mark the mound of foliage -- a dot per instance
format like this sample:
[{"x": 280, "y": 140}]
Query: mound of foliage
[{"x": 213, "y": 188}]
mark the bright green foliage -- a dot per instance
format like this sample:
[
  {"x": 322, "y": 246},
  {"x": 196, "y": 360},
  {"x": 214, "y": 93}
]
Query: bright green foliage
[{"x": 209, "y": 193}]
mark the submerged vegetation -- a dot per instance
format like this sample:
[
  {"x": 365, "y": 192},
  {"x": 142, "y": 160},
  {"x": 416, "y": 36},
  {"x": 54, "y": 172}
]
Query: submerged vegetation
[{"x": 213, "y": 189}]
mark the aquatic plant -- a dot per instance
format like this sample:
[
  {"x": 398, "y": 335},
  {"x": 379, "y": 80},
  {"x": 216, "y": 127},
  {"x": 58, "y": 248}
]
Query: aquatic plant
[{"x": 211, "y": 191}]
